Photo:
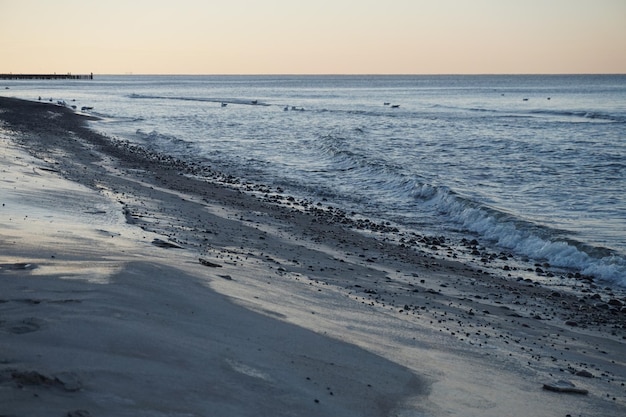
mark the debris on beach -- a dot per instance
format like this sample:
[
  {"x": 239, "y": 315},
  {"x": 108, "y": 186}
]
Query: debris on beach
[
  {"x": 20, "y": 266},
  {"x": 565, "y": 387},
  {"x": 166, "y": 245},
  {"x": 208, "y": 263}
]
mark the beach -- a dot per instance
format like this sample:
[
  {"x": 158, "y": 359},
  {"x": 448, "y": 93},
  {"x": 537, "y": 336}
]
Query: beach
[{"x": 133, "y": 283}]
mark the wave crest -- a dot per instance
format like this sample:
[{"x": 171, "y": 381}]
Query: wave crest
[{"x": 521, "y": 237}]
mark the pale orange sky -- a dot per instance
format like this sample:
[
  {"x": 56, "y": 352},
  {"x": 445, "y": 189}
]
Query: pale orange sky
[{"x": 313, "y": 37}]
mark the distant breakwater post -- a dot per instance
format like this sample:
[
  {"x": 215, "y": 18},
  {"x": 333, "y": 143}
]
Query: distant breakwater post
[{"x": 67, "y": 76}]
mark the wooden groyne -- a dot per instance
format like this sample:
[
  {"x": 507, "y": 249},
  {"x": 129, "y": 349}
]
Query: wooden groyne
[{"x": 46, "y": 76}]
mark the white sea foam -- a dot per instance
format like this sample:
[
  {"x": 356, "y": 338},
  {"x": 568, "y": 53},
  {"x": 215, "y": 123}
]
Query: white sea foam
[{"x": 531, "y": 240}]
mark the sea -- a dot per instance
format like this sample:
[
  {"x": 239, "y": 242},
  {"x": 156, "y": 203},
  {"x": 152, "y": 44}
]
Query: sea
[{"x": 529, "y": 165}]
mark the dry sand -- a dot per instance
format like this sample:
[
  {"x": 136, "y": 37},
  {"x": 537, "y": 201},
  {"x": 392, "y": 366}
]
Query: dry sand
[{"x": 132, "y": 284}]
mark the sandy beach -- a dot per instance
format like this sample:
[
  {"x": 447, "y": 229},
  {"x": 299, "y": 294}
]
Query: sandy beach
[{"x": 134, "y": 284}]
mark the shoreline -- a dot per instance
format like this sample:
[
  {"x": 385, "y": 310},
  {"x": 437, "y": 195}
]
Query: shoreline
[{"x": 462, "y": 340}]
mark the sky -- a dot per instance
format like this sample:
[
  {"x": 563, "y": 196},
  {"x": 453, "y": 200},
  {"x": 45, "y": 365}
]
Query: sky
[{"x": 313, "y": 36}]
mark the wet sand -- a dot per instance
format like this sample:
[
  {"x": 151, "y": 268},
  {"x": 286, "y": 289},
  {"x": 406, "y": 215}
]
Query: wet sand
[{"x": 135, "y": 284}]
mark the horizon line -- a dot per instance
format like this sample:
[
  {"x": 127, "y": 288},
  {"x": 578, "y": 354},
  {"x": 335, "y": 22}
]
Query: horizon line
[{"x": 314, "y": 74}]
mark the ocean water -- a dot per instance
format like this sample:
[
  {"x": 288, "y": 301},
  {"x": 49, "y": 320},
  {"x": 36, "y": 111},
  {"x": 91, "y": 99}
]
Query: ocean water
[{"x": 531, "y": 165}]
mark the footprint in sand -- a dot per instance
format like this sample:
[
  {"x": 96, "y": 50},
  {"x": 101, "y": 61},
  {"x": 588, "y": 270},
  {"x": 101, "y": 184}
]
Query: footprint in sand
[
  {"x": 27, "y": 325},
  {"x": 67, "y": 381}
]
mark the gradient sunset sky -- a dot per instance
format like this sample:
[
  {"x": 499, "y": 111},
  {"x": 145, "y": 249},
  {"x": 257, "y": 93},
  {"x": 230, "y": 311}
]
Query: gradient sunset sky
[{"x": 313, "y": 37}]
